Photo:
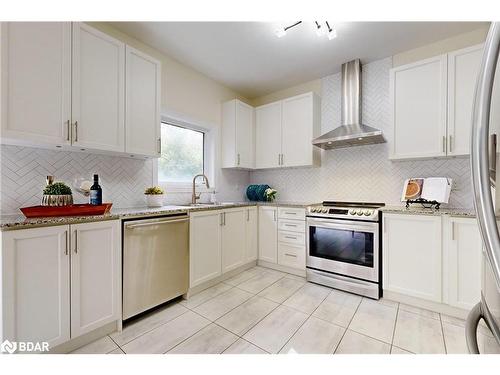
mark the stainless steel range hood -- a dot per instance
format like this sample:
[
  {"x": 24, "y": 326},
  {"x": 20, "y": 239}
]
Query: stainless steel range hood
[{"x": 352, "y": 132}]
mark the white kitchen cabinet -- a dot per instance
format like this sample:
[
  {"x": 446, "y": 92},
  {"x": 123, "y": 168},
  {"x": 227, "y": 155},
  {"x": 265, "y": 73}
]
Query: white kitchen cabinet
[
  {"x": 35, "y": 277},
  {"x": 418, "y": 93},
  {"x": 36, "y": 83},
  {"x": 463, "y": 67},
  {"x": 412, "y": 255},
  {"x": 95, "y": 275},
  {"x": 204, "y": 246},
  {"x": 292, "y": 255},
  {"x": 462, "y": 262},
  {"x": 238, "y": 135},
  {"x": 268, "y": 234},
  {"x": 142, "y": 103},
  {"x": 252, "y": 234},
  {"x": 268, "y": 136},
  {"x": 98, "y": 90},
  {"x": 300, "y": 125},
  {"x": 284, "y": 131},
  {"x": 60, "y": 282},
  {"x": 233, "y": 238}
]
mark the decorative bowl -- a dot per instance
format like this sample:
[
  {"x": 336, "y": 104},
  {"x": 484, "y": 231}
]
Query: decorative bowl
[{"x": 57, "y": 200}]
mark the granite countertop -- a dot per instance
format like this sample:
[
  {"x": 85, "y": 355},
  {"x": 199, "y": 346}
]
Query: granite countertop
[
  {"x": 419, "y": 210},
  {"x": 19, "y": 221}
]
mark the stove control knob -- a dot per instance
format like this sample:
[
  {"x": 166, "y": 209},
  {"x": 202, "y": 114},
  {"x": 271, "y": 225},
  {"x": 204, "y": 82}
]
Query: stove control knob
[
  {"x": 313, "y": 209},
  {"x": 367, "y": 212},
  {"x": 324, "y": 210},
  {"x": 359, "y": 212},
  {"x": 352, "y": 212}
]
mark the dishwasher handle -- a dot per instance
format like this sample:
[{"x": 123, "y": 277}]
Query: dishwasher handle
[{"x": 134, "y": 225}]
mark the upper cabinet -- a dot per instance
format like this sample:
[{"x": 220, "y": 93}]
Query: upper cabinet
[
  {"x": 65, "y": 84},
  {"x": 463, "y": 67},
  {"x": 98, "y": 90},
  {"x": 432, "y": 105},
  {"x": 142, "y": 103},
  {"x": 284, "y": 131},
  {"x": 238, "y": 135},
  {"x": 418, "y": 94},
  {"x": 36, "y": 82}
]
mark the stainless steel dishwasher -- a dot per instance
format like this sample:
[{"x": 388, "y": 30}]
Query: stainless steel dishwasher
[{"x": 155, "y": 262}]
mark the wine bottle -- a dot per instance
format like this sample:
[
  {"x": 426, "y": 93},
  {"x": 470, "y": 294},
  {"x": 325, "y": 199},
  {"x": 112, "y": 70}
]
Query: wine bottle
[{"x": 96, "y": 192}]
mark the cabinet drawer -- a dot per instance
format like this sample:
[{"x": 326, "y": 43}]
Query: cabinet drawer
[
  {"x": 292, "y": 255},
  {"x": 292, "y": 237},
  {"x": 292, "y": 225},
  {"x": 291, "y": 213}
]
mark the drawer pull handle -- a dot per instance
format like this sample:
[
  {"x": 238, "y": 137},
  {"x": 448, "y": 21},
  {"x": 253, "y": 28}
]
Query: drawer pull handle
[
  {"x": 291, "y": 237},
  {"x": 290, "y": 213},
  {"x": 291, "y": 255},
  {"x": 290, "y": 225}
]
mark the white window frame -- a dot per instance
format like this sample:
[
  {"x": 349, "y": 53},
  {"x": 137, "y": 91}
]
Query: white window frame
[{"x": 209, "y": 148}]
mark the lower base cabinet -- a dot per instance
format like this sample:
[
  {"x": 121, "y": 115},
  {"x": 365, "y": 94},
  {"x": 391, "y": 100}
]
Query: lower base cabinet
[
  {"x": 434, "y": 258},
  {"x": 221, "y": 241},
  {"x": 60, "y": 282},
  {"x": 268, "y": 234}
]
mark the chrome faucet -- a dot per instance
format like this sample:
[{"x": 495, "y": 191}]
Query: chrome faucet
[{"x": 195, "y": 196}]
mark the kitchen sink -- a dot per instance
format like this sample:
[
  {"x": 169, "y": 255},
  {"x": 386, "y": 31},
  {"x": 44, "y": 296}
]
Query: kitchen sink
[{"x": 207, "y": 204}]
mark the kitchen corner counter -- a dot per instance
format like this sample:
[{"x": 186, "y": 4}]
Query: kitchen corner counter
[
  {"x": 19, "y": 221},
  {"x": 414, "y": 210}
]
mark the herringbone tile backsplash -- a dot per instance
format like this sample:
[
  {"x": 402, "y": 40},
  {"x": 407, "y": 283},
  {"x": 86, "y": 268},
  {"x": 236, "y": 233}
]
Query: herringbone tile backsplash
[{"x": 364, "y": 173}]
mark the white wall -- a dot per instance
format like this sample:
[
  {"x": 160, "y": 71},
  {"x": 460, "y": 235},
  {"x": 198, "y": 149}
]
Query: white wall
[{"x": 363, "y": 173}]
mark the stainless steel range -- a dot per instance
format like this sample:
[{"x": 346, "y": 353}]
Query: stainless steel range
[{"x": 344, "y": 246}]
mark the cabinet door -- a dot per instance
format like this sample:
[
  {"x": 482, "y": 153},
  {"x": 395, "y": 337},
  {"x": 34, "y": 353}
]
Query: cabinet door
[
  {"x": 233, "y": 239},
  {"x": 204, "y": 246},
  {"x": 463, "y": 67},
  {"x": 268, "y": 135},
  {"x": 142, "y": 110},
  {"x": 462, "y": 250},
  {"x": 35, "y": 285},
  {"x": 252, "y": 234},
  {"x": 418, "y": 93},
  {"x": 245, "y": 136},
  {"x": 298, "y": 126},
  {"x": 268, "y": 234},
  {"x": 412, "y": 255},
  {"x": 98, "y": 91},
  {"x": 36, "y": 82},
  {"x": 95, "y": 275}
]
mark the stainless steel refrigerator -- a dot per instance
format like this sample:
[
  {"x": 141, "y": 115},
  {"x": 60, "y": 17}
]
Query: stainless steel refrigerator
[{"x": 484, "y": 157}]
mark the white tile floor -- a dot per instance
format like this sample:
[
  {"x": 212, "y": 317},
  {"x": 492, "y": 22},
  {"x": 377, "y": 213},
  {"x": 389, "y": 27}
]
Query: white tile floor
[{"x": 265, "y": 311}]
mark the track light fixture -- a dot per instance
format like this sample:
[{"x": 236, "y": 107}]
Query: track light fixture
[{"x": 321, "y": 29}]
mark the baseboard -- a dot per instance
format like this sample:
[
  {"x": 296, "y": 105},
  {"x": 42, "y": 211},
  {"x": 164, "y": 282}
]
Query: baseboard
[
  {"x": 428, "y": 305},
  {"x": 217, "y": 280},
  {"x": 278, "y": 267},
  {"x": 80, "y": 341}
]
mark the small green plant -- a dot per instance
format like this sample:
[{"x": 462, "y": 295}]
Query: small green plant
[
  {"x": 57, "y": 188},
  {"x": 153, "y": 190},
  {"x": 270, "y": 194}
]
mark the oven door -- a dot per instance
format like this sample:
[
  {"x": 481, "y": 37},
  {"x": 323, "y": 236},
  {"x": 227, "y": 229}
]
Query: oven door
[{"x": 344, "y": 247}]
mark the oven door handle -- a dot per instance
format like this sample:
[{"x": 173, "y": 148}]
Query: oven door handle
[{"x": 341, "y": 224}]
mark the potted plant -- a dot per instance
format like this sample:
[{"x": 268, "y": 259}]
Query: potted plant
[
  {"x": 57, "y": 194},
  {"x": 154, "y": 196},
  {"x": 270, "y": 194}
]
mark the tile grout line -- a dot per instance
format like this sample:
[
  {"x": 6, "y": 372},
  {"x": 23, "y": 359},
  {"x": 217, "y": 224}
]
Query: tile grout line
[
  {"x": 395, "y": 324},
  {"x": 348, "y": 324},
  {"x": 305, "y": 320},
  {"x": 442, "y": 332}
]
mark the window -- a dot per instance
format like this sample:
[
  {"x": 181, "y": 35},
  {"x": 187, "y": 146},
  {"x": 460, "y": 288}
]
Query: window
[{"x": 182, "y": 154}]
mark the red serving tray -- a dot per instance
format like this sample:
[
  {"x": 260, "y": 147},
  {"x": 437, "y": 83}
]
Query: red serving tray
[{"x": 70, "y": 210}]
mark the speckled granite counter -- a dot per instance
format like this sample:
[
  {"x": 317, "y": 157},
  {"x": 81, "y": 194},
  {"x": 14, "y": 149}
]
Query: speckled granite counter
[
  {"x": 415, "y": 210},
  {"x": 10, "y": 222}
]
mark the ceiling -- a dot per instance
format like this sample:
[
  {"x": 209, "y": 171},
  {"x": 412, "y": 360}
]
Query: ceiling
[{"x": 250, "y": 59}]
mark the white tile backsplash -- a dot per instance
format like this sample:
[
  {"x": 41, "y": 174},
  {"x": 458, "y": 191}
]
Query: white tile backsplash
[{"x": 363, "y": 173}]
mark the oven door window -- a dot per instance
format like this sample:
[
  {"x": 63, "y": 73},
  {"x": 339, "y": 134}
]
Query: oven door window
[{"x": 342, "y": 245}]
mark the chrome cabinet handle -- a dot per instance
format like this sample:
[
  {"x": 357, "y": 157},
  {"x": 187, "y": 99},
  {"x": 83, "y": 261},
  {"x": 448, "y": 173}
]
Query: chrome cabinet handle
[
  {"x": 290, "y": 213},
  {"x": 238, "y": 161},
  {"x": 159, "y": 145},
  {"x": 220, "y": 219},
  {"x": 274, "y": 215},
  {"x": 66, "y": 242},
  {"x": 282, "y": 159},
  {"x": 444, "y": 143},
  {"x": 291, "y": 255},
  {"x": 151, "y": 223},
  {"x": 291, "y": 237},
  {"x": 76, "y": 242},
  {"x": 450, "y": 143},
  {"x": 291, "y": 225},
  {"x": 76, "y": 131},
  {"x": 452, "y": 231},
  {"x": 224, "y": 218},
  {"x": 68, "y": 129},
  {"x": 480, "y": 153}
]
